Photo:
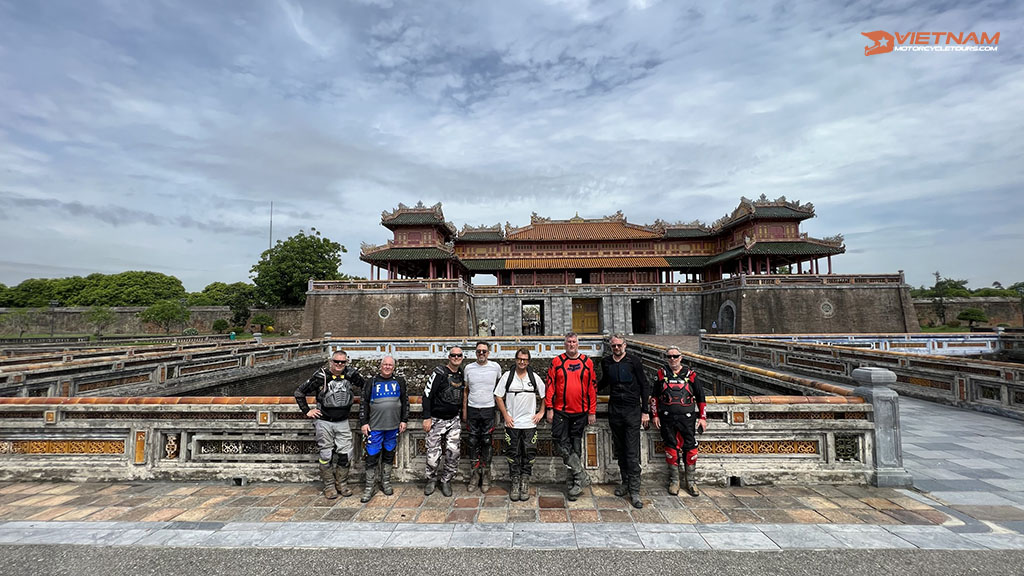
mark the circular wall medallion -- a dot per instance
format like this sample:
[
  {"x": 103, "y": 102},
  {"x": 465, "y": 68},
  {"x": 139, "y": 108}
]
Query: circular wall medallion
[
  {"x": 384, "y": 312},
  {"x": 827, "y": 309}
]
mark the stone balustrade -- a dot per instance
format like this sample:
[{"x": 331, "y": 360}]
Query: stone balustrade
[
  {"x": 143, "y": 371},
  {"x": 996, "y": 387},
  {"x": 750, "y": 440}
]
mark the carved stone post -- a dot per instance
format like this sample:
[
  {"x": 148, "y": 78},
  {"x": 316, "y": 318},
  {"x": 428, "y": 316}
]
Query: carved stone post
[{"x": 888, "y": 445}]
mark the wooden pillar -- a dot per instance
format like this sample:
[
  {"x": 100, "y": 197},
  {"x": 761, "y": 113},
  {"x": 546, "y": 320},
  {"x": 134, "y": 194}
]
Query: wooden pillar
[
  {"x": 830, "y": 264},
  {"x": 799, "y": 266},
  {"x": 565, "y": 277},
  {"x": 768, "y": 264},
  {"x": 534, "y": 277},
  {"x": 750, "y": 263}
]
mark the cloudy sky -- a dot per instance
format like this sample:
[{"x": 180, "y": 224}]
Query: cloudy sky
[{"x": 154, "y": 135}]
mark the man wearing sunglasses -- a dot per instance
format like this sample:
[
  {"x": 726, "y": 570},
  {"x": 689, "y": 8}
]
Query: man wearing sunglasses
[
  {"x": 678, "y": 406},
  {"x": 478, "y": 412},
  {"x": 442, "y": 404},
  {"x": 333, "y": 386},
  {"x": 629, "y": 396}
]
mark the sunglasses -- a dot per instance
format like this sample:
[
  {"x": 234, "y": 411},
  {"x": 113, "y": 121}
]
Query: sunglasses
[
  {"x": 482, "y": 351},
  {"x": 340, "y": 361},
  {"x": 674, "y": 356},
  {"x": 455, "y": 355}
]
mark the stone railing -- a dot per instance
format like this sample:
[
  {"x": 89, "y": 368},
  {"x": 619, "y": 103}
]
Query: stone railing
[
  {"x": 787, "y": 280},
  {"x": 939, "y": 344},
  {"x": 744, "y": 280},
  {"x": 750, "y": 440},
  {"x": 142, "y": 371},
  {"x": 996, "y": 387},
  {"x": 387, "y": 285},
  {"x": 595, "y": 289}
]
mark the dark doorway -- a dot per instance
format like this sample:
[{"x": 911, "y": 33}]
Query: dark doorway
[
  {"x": 533, "y": 317},
  {"x": 643, "y": 316}
]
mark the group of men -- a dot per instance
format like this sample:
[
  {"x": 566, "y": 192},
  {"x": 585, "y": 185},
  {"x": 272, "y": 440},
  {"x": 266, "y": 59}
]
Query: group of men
[{"x": 472, "y": 395}]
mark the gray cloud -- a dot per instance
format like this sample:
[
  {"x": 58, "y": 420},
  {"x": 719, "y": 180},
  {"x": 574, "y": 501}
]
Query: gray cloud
[{"x": 158, "y": 137}]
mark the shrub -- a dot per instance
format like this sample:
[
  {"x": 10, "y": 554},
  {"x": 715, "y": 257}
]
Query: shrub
[
  {"x": 220, "y": 325},
  {"x": 953, "y": 323},
  {"x": 190, "y": 332}
]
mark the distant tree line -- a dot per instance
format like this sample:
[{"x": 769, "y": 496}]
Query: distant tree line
[
  {"x": 279, "y": 278},
  {"x": 945, "y": 288}
]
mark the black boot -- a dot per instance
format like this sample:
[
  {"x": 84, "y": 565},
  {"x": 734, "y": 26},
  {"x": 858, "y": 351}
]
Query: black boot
[
  {"x": 524, "y": 488},
  {"x": 690, "y": 480},
  {"x": 371, "y": 485},
  {"x": 385, "y": 479},
  {"x": 634, "y": 492},
  {"x": 327, "y": 475},
  {"x": 513, "y": 493}
]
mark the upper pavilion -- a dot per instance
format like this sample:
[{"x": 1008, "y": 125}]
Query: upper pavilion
[{"x": 758, "y": 237}]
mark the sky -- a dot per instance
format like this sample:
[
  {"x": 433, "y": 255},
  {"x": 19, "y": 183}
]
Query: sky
[{"x": 155, "y": 135}]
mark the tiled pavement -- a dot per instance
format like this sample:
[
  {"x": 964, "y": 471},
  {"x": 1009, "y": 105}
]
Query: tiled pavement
[
  {"x": 295, "y": 515},
  {"x": 969, "y": 494}
]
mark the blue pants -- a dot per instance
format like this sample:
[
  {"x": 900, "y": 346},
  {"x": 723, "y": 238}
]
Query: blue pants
[{"x": 386, "y": 440}]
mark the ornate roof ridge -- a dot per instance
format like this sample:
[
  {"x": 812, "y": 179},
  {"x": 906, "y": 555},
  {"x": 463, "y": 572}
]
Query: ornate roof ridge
[
  {"x": 749, "y": 207},
  {"x": 483, "y": 228}
]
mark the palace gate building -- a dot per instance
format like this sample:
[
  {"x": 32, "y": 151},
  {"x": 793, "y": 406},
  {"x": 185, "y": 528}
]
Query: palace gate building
[{"x": 752, "y": 271}]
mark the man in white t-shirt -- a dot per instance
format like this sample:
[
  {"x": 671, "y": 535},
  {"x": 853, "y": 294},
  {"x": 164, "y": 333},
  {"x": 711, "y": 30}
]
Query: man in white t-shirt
[
  {"x": 478, "y": 413},
  {"x": 519, "y": 395}
]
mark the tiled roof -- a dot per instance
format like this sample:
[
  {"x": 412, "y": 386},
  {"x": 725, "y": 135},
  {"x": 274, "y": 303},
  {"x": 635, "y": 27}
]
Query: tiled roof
[
  {"x": 687, "y": 261},
  {"x": 584, "y": 263},
  {"x": 413, "y": 219},
  {"x": 484, "y": 264},
  {"x": 408, "y": 254},
  {"x": 582, "y": 230},
  {"x": 794, "y": 248},
  {"x": 780, "y": 212},
  {"x": 725, "y": 256},
  {"x": 687, "y": 233},
  {"x": 488, "y": 236},
  {"x": 778, "y": 249}
]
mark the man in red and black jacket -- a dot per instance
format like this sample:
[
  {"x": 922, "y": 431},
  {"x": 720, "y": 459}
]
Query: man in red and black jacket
[
  {"x": 571, "y": 400},
  {"x": 679, "y": 406}
]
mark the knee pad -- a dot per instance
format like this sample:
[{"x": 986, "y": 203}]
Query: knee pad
[
  {"x": 388, "y": 456},
  {"x": 691, "y": 457},
  {"x": 672, "y": 456},
  {"x": 342, "y": 460}
]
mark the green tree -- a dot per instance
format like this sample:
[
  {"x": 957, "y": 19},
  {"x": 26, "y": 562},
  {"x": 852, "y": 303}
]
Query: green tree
[
  {"x": 166, "y": 314},
  {"x": 5, "y": 295},
  {"x": 99, "y": 317},
  {"x": 282, "y": 275},
  {"x": 220, "y": 325},
  {"x": 263, "y": 320},
  {"x": 972, "y": 315}
]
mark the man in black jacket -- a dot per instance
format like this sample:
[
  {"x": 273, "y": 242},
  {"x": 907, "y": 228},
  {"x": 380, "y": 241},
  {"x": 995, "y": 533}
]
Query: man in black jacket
[
  {"x": 442, "y": 404},
  {"x": 622, "y": 375},
  {"x": 333, "y": 385},
  {"x": 383, "y": 415}
]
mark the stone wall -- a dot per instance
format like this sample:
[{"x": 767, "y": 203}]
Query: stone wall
[
  {"x": 799, "y": 309},
  {"x": 72, "y": 320},
  {"x": 403, "y": 314},
  {"x": 998, "y": 310},
  {"x": 672, "y": 313}
]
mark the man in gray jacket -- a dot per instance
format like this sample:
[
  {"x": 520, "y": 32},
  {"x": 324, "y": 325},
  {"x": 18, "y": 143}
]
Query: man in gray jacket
[
  {"x": 383, "y": 415},
  {"x": 333, "y": 385}
]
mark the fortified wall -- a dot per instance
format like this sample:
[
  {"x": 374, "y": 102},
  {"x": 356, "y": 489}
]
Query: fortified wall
[
  {"x": 72, "y": 320},
  {"x": 998, "y": 310},
  {"x": 760, "y": 304}
]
